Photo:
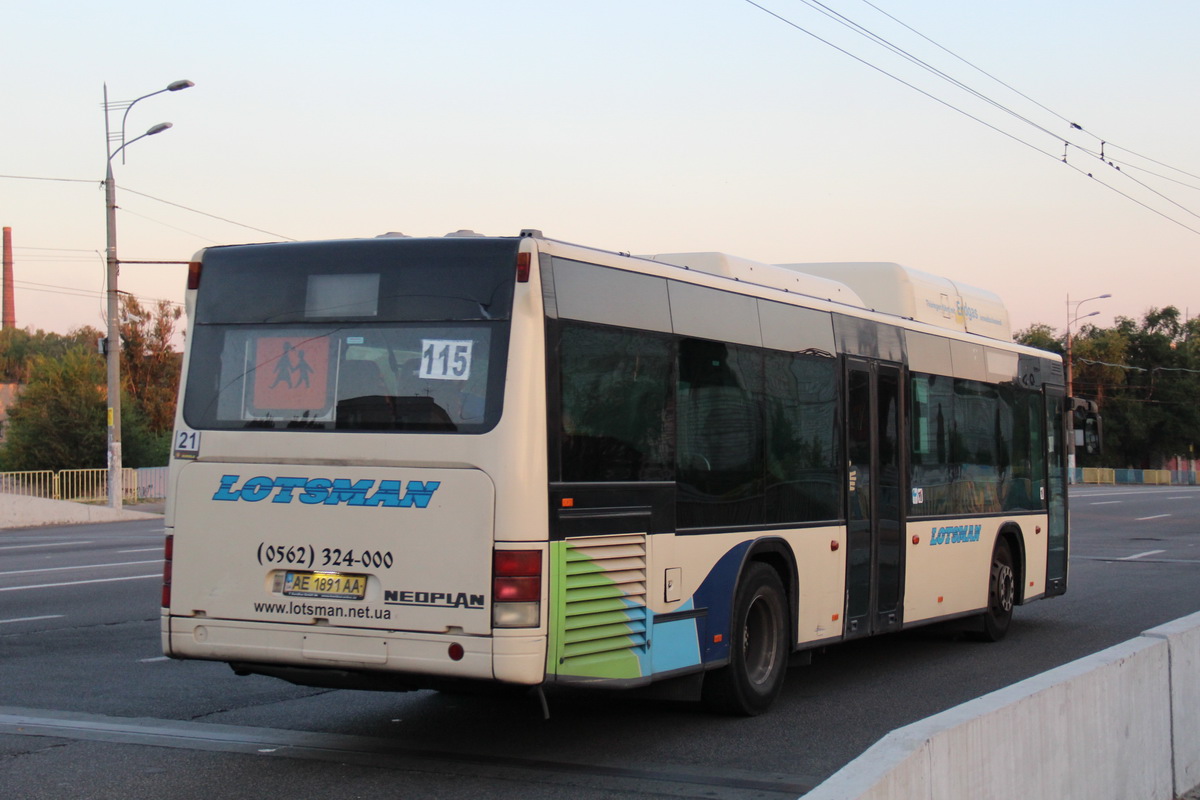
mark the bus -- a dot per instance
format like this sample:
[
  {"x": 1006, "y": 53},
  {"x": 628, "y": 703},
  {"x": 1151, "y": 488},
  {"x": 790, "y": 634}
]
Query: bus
[{"x": 403, "y": 463}]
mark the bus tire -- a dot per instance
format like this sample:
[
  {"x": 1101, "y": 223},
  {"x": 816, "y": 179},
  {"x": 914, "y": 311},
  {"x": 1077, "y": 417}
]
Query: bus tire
[
  {"x": 1002, "y": 594},
  {"x": 758, "y": 651}
]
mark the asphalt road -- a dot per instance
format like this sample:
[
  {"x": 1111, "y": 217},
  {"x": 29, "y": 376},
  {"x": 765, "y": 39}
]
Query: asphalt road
[{"x": 90, "y": 709}]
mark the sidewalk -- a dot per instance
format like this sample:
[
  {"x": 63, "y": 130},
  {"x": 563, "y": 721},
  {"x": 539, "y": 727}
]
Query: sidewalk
[{"x": 18, "y": 511}]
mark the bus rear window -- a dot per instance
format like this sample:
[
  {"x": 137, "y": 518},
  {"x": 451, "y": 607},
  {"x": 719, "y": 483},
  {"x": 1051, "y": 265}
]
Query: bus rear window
[
  {"x": 394, "y": 280},
  {"x": 372, "y": 335}
]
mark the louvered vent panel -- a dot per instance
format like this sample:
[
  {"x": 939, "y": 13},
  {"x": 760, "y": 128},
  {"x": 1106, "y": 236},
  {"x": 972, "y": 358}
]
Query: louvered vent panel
[{"x": 605, "y": 617}]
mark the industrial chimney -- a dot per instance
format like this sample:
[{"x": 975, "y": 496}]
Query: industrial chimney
[{"x": 9, "y": 317}]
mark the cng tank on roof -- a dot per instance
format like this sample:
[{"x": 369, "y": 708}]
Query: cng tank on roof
[
  {"x": 895, "y": 289},
  {"x": 758, "y": 273}
]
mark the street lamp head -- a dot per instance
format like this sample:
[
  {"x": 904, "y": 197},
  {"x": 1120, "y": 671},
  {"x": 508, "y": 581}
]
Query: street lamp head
[
  {"x": 159, "y": 128},
  {"x": 177, "y": 85}
]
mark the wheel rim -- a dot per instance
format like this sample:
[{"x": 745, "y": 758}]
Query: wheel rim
[
  {"x": 760, "y": 642},
  {"x": 1004, "y": 588}
]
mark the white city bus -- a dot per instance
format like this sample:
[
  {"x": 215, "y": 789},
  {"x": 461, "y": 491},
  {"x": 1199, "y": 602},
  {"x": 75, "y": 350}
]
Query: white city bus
[{"x": 421, "y": 462}]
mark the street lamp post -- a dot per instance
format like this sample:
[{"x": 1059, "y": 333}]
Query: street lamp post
[
  {"x": 112, "y": 268},
  {"x": 1073, "y": 317}
]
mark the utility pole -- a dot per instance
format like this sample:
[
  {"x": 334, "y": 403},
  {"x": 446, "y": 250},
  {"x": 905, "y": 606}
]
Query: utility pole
[{"x": 112, "y": 269}]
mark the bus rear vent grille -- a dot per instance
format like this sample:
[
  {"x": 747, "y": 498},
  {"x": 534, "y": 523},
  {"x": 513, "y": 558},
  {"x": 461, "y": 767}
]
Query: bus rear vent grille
[{"x": 604, "y": 628}]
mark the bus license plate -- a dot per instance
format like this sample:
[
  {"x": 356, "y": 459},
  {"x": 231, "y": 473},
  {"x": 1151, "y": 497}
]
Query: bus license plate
[{"x": 327, "y": 585}]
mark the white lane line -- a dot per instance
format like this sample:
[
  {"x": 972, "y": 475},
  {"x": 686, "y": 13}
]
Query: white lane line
[
  {"x": 1156, "y": 516},
  {"x": 83, "y": 566},
  {"x": 31, "y": 619},
  {"x": 153, "y": 660},
  {"x": 1107, "y": 503},
  {"x": 1142, "y": 555},
  {"x": 31, "y": 546},
  {"x": 77, "y": 583}
]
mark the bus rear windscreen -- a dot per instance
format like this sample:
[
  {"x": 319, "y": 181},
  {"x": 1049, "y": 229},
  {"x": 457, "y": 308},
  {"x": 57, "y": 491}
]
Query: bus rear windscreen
[{"x": 372, "y": 335}]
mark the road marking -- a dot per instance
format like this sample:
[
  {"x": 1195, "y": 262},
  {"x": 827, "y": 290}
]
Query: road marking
[
  {"x": 1114, "y": 560},
  {"x": 143, "y": 550},
  {"x": 1143, "y": 555},
  {"x": 1107, "y": 503},
  {"x": 30, "y": 546},
  {"x": 1140, "y": 492},
  {"x": 154, "y": 660},
  {"x": 84, "y": 566},
  {"x": 1156, "y": 516},
  {"x": 77, "y": 583},
  {"x": 31, "y": 619}
]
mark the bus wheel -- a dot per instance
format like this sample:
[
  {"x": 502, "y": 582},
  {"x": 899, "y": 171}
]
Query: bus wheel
[
  {"x": 758, "y": 652},
  {"x": 1002, "y": 594}
]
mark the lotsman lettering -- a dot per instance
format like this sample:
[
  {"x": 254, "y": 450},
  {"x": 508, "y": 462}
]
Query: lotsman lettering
[
  {"x": 286, "y": 487},
  {"x": 224, "y": 490},
  {"x": 326, "y": 491},
  {"x": 315, "y": 491},
  {"x": 353, "y": 494},
  {"x": 388, "y": 494},
  {"x": 418, "y": 493}
]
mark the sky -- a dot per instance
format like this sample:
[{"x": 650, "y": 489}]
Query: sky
[{"x": 644, "y": 126}]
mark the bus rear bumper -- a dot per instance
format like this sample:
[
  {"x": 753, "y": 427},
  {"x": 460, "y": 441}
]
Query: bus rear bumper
[{"x": 408, "y": 658}]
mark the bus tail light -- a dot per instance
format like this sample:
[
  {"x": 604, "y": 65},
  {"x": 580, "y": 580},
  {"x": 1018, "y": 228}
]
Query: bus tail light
[
  {"x": 524, "y": 263},
  {"x": 516, "y": 588},
  {"x": 193, "y": 279},
  {"x": 168, "y": 555}
]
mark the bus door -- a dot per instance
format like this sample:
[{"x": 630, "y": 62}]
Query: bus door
[
  {"x": 874, "y": 498},
  {"x": 1056, "y": 490}
]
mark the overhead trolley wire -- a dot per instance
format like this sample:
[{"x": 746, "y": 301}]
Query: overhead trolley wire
[
  {"x": 845, "y": 21},
  {"x": 1063, "y": 140},
  {"x": 897, "y": 78}
]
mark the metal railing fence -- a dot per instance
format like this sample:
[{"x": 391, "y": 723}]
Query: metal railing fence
[
  {"x": 1141, "y": 477},
  {"x": 86, "y": 485}
]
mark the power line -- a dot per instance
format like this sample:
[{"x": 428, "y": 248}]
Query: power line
[
  {"x": 156, "y": 199},
  {"x": 73, "y": 291},
  {"x": 39, "y": 178},
  {"x": 206, "y": 214},
  {"x": 56, "y": 249},
  {"x": 968, "y": 63},
  {"x": 1066, "y": 143},
  {"x": 125, "y": 210},
  {"x": 1047, "y": 109},
  {"x": 900, "y": 51},
  {"x": 897, "y": 78}
]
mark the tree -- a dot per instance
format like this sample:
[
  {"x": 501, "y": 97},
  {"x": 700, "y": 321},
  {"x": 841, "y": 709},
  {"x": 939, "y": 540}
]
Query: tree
[
  {"x": 58, "y": 422},
  {"x": 19, "y": 345},
  {"x": 1144, "y": 375},
  {"x": 1041, "y": 336},
  {"x": 150, "y": 367}
]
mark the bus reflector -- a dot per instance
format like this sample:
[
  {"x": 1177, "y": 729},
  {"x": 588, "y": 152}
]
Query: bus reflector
[
  {"x": 516, "y": 588},
  {"x": 193, "y": 280},
  {"x": 523, "y": 263},
  {"x": 168, "y": 555}
]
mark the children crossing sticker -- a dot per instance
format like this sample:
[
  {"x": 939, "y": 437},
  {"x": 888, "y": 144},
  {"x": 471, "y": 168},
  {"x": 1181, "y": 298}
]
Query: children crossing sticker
[{"x": 291, "y": 373}]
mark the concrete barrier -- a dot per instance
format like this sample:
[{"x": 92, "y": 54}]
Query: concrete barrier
[
  {"x": 1122, "y": 724},
  {"x": 18, "y": 511},
  {"x": 1183, "y": 638}
]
